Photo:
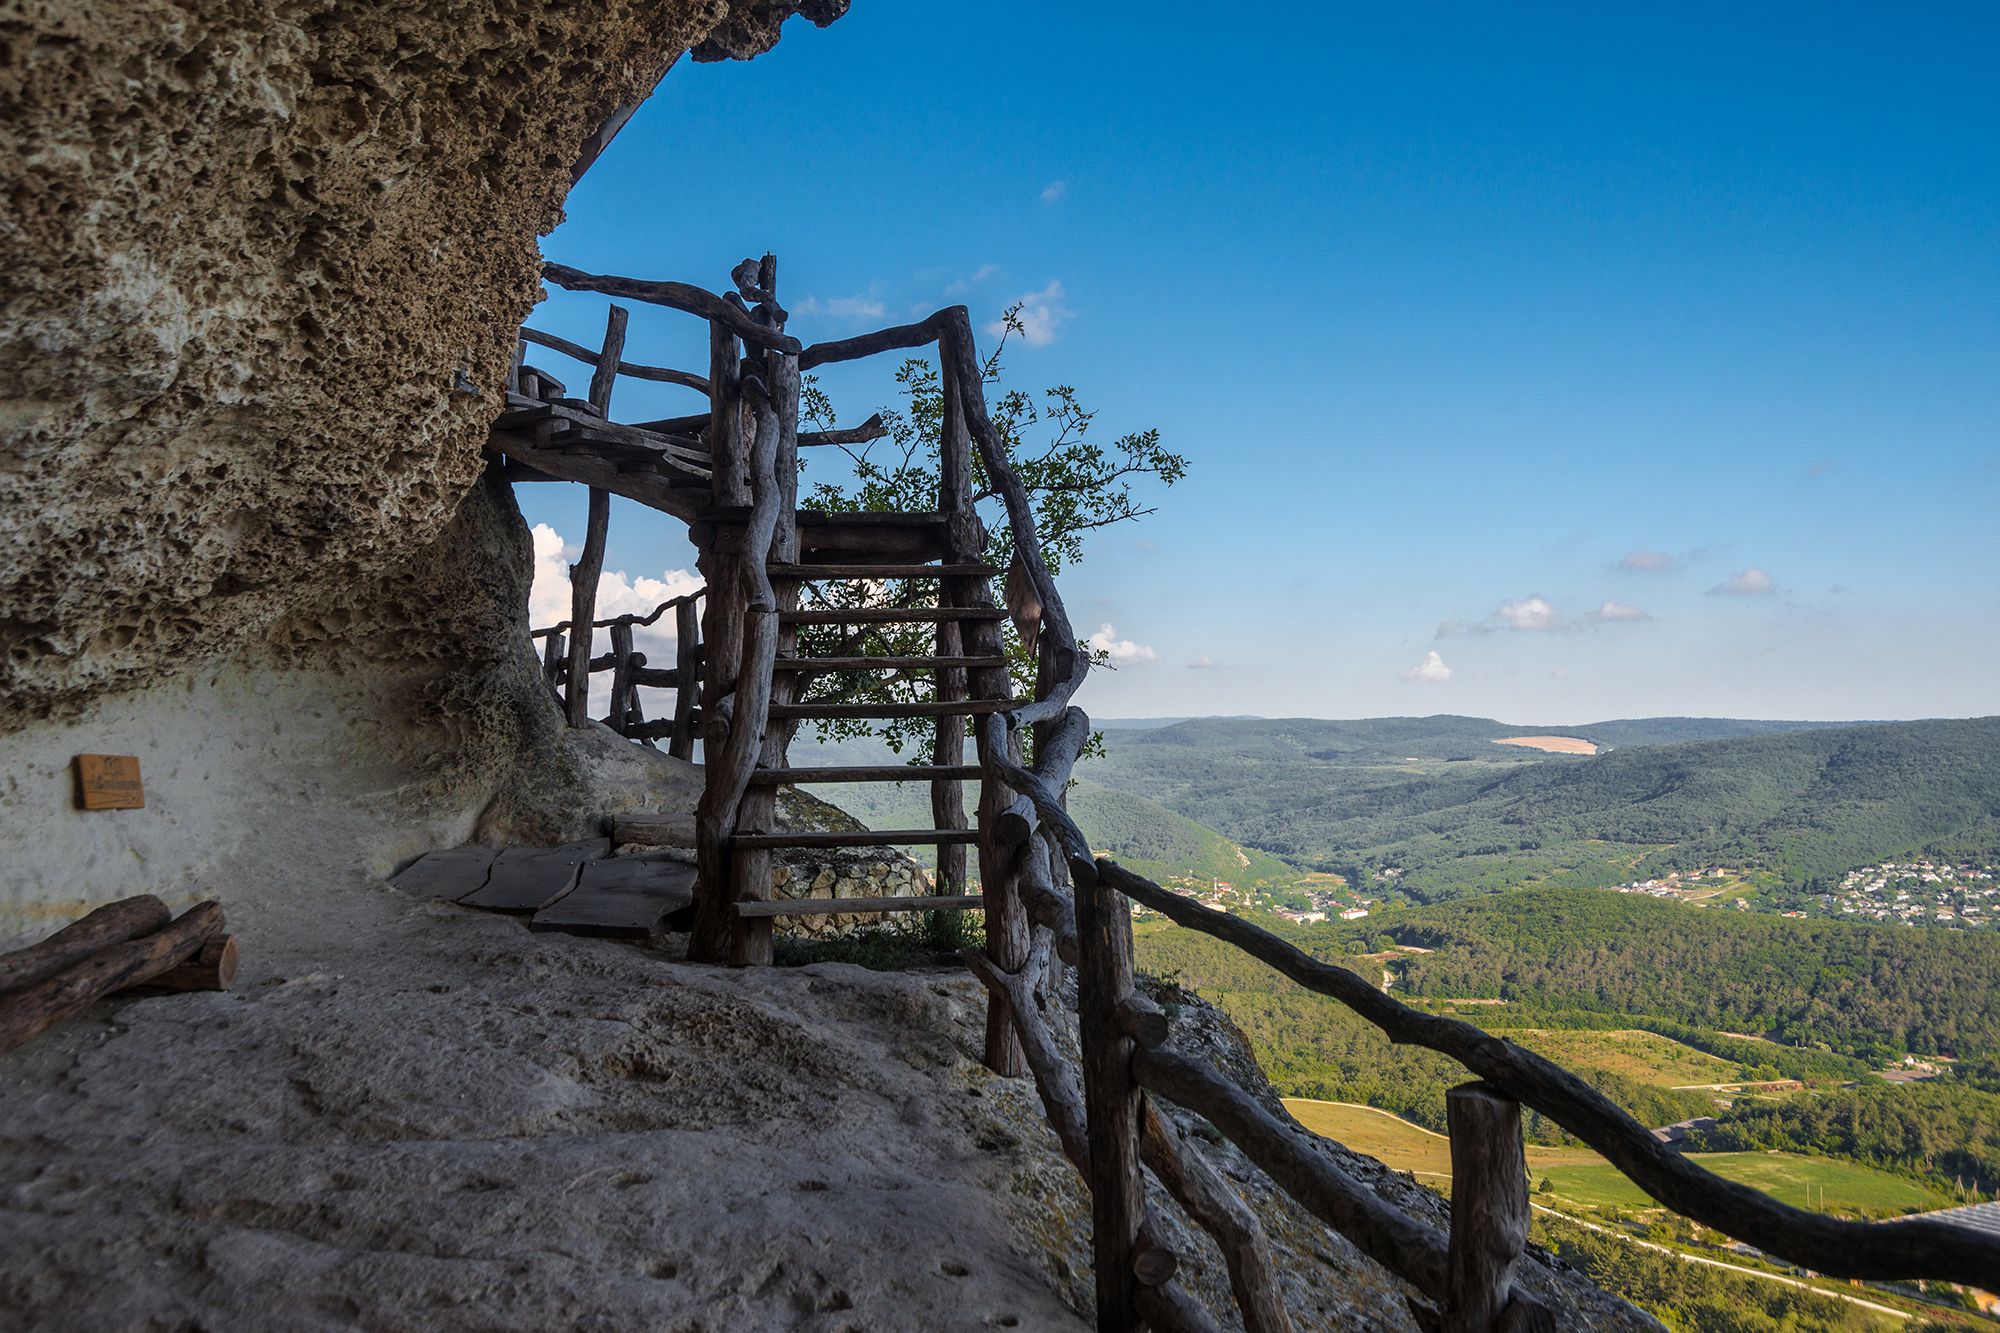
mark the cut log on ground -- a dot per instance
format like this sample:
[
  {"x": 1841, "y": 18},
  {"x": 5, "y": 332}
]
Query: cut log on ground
[
  {"x": 26, "y": 1013},
  {"x": 114, "y": 923},
  {"x": 213, "y": 968}
]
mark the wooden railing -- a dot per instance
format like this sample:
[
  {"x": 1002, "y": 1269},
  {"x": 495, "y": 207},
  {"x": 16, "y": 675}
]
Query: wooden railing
[
  {"x": 1100, "y": 1111},
  {"x": 1029, "y": 847},
  {"x": 630, "y": 669}
]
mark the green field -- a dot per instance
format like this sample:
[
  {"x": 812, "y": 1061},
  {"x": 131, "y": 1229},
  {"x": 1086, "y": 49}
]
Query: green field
[
  {"x": 1580, "y": 1180},
  {"x": 1644, "y": 1057},
  {"x": 1397, "y": 1143},
  {"x": 1819, "y": 1183}
]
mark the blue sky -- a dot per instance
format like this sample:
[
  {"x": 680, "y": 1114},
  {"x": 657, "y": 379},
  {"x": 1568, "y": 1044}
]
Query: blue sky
[{"x": 1629, "y": 364}]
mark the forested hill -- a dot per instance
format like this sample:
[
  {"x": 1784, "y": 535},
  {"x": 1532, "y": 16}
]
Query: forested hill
[
  {"x": 1861, "y": 990},
  {"x": 1420, "y": 796}
]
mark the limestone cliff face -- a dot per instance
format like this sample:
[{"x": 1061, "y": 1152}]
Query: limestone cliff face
[
  {"x": 250, "y": 247},
  {"x": 262, "y": 261}
]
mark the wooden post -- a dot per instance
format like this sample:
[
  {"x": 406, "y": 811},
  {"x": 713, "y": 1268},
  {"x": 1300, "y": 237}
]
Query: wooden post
[
  {"x": 948, "y": 743},
  {"x": 619, "y": 715},
  {"x": 1489, "y": 1205},
  {"x": 750, "y": 943},
  {"x": 1000, "y": 863},
  {"x": 687, "y": 667},
  {"x": 555, "y": 662},
  {"x": 583, "y": 575},
  {"x": 722, "y": 639},
  {"x": 1111, "y": 1100}
]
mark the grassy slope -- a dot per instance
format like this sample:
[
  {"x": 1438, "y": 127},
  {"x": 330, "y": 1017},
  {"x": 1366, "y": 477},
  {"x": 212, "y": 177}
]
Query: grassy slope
[{"x": 1579, "y": 1178}]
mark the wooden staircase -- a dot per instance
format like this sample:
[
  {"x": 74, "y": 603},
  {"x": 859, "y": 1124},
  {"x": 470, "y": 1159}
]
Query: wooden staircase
[{"x": 785, "y": 641}]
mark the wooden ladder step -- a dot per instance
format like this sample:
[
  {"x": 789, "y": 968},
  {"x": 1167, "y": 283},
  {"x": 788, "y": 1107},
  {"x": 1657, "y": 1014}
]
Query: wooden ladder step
[
  {"x": 886, "y": 663},
  {"x": 857, "y": 906},
  {"x": 892, "y": 615},
  {"x": 897, "y": 837},
  {"x": 881, "y": 571},
  {"x": 947, "y": 708},
  {"x": 790, "y": 777}
]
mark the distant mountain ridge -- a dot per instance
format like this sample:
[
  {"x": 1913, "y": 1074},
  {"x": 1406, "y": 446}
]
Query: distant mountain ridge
[{"x": 1437, "y": 801}]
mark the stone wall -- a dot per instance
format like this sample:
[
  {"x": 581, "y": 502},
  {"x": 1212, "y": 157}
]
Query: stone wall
[{"x": 866, "y": 872}]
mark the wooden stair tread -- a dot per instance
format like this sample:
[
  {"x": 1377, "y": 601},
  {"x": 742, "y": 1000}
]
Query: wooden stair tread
[
  {"x": 888, "y": 663},
  {"x": 527, "y": 879},
  {"x": 891, "y": 615},
  {"x": 789, "y": 777},
  {"x": 888, "y": 570},
  {"x": 906, "y": 837},
  {"x": 653, "y": 830},
  {"x": 948, "y": 708},
  {"x": 858, "y": 906},
  {"x": 620, "y": 896},
  {"x": 450, "y": 874}
]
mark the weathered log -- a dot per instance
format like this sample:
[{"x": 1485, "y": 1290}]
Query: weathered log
[
  {"x": 1142, "y": 1020},
  {"x": 1112, "y": 1100},
  {"x": 871, "y": 344},
  {"x": 113, "y": 923},
  {"x": 622, "y": 670},
  {"x": 871, "y": 429},
  {"x": 1168, "y": 1306},
  {"x": 656, "y": 374},
  {"x": 213, "y": 968},
  {"x": 583, "y": 576},
  {"x": 605, "y": 377},
  {"x": 1908, "y": 1248},
  {"x": 687, "y": 683},
  {"x": 1489, "y": 1205},
  {"x": 674, "y": 295},
  {"x": 1221, "y": 1212},
  {"x": 1384, "y": 1233},
  {"x": 33, "y": 1009}
]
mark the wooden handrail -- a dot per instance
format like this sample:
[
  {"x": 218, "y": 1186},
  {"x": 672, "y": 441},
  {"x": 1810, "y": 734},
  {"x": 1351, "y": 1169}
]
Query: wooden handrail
[
  {"x": 677, "y": 296},
  {"x": 657, "y": 374},
  {"x": 562, "y": 627}
]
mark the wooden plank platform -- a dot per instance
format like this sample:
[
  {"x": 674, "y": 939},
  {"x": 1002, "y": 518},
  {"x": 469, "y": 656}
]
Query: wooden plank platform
[
  {"x": 886, "y": 663},
  {"x": 893, "y": 615},
  {"x": 792, "y": 777},
  {"x": 858, "y": 906},
  {"x": 527, "y": 879},
  {"x": 887, "y": 570},
  {"x": 903, "y": 837},
  {"x": 621, "y": 896},
  {"x": 451, "y": 874},
  {"x": 948, "y": 708}
]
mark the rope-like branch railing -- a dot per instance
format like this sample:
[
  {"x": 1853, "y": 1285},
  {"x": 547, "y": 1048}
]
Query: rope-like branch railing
[
  {"x": 657, "y": 374},
  {"x": 677, "y": 296},
  {"x": 563, "y": 627},
  {"x": 1914, "y": 1248}
]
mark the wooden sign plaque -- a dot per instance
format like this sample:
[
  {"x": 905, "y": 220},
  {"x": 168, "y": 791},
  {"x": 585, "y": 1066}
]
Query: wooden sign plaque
[{"x": 109, "y": 782}]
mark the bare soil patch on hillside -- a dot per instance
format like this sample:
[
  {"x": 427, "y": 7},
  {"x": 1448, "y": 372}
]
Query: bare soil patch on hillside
[{"x": 1552, "y": 744}]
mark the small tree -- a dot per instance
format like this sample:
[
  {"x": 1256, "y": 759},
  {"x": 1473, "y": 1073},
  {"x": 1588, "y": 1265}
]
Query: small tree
[{"x": 1077, "y": 486}]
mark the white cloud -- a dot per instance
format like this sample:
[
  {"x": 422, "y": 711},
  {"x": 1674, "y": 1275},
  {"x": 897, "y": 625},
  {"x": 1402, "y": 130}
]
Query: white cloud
[
  {"x": 1530, "y": 613},
  {"x": 1120, "y": 652},
  {"x": 1055, "y": 192},
  {"x": 1615, "y": 610},
  {"x": 1041, "y": 314},
  {"x": 1432, "y": 669},
  {"x": 1202, "y": 664},
  {"x": 1646, "y": 561},
  {"x": 1749, "y": 582},
  {"x": 960, "y": 286},
  {"x": 618, "y": 594},
  {"x": 854, "y": 309}
]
